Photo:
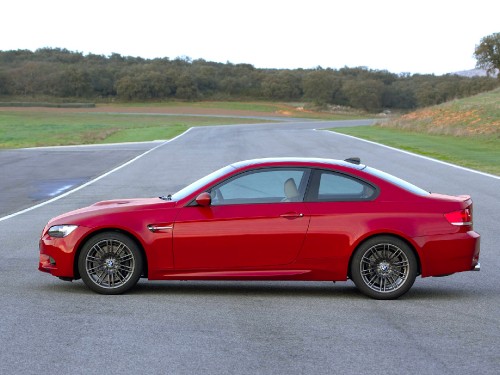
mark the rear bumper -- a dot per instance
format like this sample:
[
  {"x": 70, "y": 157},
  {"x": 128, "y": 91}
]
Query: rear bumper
[{"x": 451, "y": 253}]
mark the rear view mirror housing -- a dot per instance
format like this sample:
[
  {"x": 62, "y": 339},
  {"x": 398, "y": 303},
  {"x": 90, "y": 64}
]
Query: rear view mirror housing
[{"x": 204, "y": 199}]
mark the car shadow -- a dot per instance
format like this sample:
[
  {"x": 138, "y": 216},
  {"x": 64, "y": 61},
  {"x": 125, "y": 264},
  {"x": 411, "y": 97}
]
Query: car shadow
[
  {"x": 219, "y": 288},
  {"x": 295, "y": 289},
  {"x": 247, "y": 288},
  {"x": 443, "y": 293}
]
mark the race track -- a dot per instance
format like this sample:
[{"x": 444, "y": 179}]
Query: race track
[{"x": 442, "y": 326}]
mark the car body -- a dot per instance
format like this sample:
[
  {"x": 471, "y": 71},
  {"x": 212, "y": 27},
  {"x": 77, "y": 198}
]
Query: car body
[{"x": 269, "y": 219}]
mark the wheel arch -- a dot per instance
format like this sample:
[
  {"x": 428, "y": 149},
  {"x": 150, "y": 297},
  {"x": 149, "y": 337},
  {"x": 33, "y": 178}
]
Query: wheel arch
[
  {"x": 410, "y": 244},
  {"x": 131, "y": 236}
]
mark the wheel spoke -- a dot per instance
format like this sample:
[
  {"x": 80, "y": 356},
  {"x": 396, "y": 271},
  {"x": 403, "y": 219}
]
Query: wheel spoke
[
  {"x": 401, "y": 274},
  {"x": 375, "y": 255},
  {"x": 402, "y": 263},
  {"x": 94, "y": 269},
  {"x": 120, "y": 249},
  {"x": 395, "y": 254},
  {"x": 97, "y": 250},
  {"x": 123, "y": 267},
  {"x": 368, "y": 272},
  {"x": 373, "y": 280},
  {"x": 392, "y": 282},
  {"x": 100, "y": 279},
  {"x": 126, "y": 258},
  {"x": 120, "y": 277}
]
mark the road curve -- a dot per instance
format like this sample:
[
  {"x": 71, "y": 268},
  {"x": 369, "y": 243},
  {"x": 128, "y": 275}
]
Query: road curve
[{"x": 442, "y": 326}]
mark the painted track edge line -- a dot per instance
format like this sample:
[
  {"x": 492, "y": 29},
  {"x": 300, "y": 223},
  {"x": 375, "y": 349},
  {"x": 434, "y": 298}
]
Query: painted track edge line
[
  {"x": 94, "y": 145},
  {"x": 88, "y": 183},
  {"x": 417, "y": 155}
]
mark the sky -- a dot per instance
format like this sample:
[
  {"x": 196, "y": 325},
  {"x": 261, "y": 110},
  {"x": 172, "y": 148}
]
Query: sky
[{"x": 401, "y": 36}]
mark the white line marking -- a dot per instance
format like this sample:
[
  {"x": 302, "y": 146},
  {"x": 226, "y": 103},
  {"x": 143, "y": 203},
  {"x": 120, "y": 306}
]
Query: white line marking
[
  {"x": 95, "y": 145},
  {"x": 417, "y": 155},
  {"x": 91, "y": 181}
]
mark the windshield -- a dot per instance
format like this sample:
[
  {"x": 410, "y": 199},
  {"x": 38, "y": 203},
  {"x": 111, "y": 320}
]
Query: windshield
[
  {"x": 191, "y": 188},
  {"x": 396, "y": 181}
]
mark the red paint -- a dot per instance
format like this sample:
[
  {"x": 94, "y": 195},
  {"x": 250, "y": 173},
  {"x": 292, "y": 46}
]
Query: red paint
[{"x": 305, "y": 240}]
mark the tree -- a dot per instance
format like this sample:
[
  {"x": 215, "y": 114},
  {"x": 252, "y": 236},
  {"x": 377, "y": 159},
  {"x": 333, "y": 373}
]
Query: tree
[
  {"x": 322, "y": 87},
  {"x": 76, "y": 82},
  {"x": 364, "y": 93},
  {"x": 400, "y": 94},
  {"x": 186, "y": 87},
  {"x": 4, "y": 83},
  {"x": 487, "y": 53},
  {"x": 144, "y": 85},
  {"x": 281, "y": 86}
]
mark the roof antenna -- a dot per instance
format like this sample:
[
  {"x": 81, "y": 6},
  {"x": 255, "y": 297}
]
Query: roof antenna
[{"x": 353, "y": 160}]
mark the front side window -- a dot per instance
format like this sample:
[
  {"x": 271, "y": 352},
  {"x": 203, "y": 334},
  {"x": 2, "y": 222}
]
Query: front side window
[
  {"x": 330, "y": 186},
  {"x": 262, "y": 186}
]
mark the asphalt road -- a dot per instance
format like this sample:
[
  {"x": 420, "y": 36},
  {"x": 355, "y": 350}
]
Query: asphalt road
[
  {"x": 34, "y": 175},
  {"x": 442, "y": 326}
]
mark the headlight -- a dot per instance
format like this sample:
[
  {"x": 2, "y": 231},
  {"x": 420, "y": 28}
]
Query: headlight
[{"x": 60, "y": 231}]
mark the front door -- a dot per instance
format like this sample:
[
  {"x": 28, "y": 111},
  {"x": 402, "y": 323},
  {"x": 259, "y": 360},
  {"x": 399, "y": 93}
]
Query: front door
[{"x": 256, "y": 219}]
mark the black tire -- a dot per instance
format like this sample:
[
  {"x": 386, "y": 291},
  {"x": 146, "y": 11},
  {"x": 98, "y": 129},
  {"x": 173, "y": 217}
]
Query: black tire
[
  {"x": 384, "y": 267},
  {"x": 110, "y": 263}
]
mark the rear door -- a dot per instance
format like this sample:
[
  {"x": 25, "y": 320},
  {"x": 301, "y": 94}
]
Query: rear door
[{"x": 341, "y": 208}]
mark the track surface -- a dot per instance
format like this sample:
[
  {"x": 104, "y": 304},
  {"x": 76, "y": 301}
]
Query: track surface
[{"x": 442, "y": 326}]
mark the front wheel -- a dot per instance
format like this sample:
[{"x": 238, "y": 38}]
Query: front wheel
[
  {"x": 110, "y": 263},
  {"x": 384, "y": 267}
]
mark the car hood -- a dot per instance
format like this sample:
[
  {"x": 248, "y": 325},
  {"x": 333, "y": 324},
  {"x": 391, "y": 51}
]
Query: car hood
[{"x": 110, "y": 207}]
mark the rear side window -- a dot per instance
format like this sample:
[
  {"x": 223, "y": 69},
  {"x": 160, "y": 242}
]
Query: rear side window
[
  {"x": 329, "y": 186},
  {"x": 397, "y": 181}
]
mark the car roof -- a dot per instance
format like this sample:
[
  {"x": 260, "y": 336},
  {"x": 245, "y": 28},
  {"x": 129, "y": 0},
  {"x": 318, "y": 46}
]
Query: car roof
[{"x": 291, "y": 161}]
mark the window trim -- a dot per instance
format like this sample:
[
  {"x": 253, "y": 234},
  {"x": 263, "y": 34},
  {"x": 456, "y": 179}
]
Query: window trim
[
  {"x": 312, "y": 192},
  {"x": 302, "y": 188}
]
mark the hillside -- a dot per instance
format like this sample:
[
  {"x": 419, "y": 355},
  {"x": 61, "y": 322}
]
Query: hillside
[
  {"x": 474, "y": 73},
  {"x": 58, "y": 75},
  {"x": 473, "y": 116},
  {"x": 465, "y": 132}
]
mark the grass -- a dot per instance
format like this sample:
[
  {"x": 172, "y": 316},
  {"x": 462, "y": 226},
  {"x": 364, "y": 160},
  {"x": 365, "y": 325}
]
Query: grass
[
  {"x": 110, "y": 123},
  {"x": 267, "y": 107},
  {"x": 476, "y": 115},
  {"x": 465, "y": 132},
  {"x": 480, "y": 152},
  {"x": 42, "y": 128},
  {"x": 260, "y": 108}
]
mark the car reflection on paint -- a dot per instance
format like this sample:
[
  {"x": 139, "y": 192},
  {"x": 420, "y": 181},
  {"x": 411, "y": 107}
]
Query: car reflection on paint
[{"x": 270, "y": 219}]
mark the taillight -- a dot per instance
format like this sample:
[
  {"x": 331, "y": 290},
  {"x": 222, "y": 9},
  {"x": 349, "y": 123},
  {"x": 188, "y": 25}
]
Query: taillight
[{"x": 462, "y": 217}]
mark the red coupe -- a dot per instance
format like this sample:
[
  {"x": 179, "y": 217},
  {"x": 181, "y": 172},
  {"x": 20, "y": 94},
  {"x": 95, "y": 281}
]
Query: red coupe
[{"x": 270, "y": 219}]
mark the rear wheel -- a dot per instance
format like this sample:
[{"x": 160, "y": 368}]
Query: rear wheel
[
  {"x": 110, "y": 263},
  {"x": 384, "y": 267}
]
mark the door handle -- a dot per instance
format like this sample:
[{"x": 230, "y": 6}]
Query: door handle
[{"x": 291, "y": 215}]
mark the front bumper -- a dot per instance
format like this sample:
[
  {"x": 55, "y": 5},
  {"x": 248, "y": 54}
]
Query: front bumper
[{"x": 57, "y": 255}]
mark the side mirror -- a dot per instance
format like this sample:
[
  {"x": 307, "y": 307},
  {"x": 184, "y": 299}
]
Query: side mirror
[{"x": 204, "y": 199}]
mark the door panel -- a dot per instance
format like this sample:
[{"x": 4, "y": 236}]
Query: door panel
[{"x": 239, "y": 236}]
